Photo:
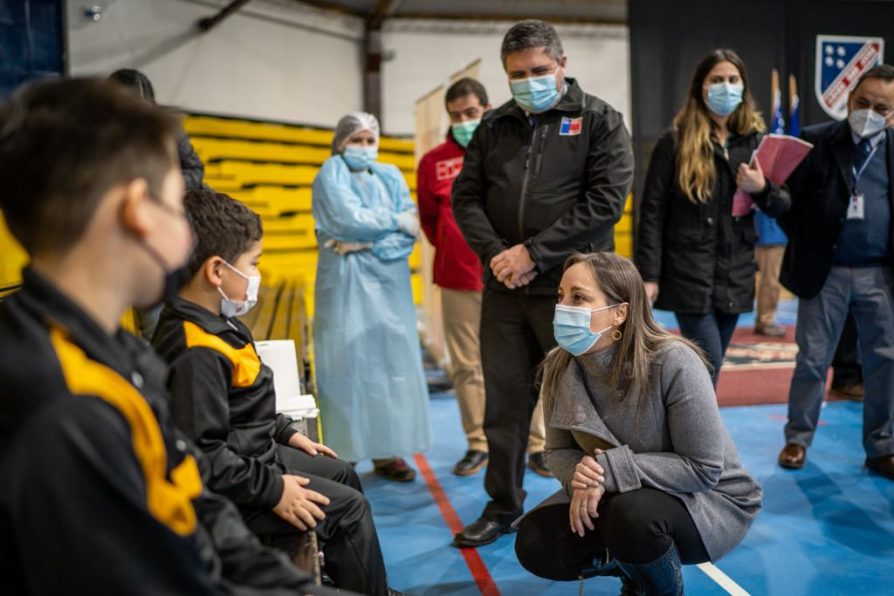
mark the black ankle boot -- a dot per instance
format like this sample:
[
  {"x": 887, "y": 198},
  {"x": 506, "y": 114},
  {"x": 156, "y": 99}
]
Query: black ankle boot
[{"x": 661, "y": 577}]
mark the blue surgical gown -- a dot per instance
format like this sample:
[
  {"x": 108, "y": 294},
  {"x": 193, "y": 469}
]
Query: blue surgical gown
[{"x": 371, "y": 387}]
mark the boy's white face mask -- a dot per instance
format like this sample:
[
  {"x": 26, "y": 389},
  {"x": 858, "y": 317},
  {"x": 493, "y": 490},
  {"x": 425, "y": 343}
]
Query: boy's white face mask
[{"x": 237, "y": 308}]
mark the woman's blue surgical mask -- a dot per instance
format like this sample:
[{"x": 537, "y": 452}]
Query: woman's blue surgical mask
[
  {"x": 571, "y": 328},
  {"x": 237, "y": 308},
  {"x": 724, "y": 98},
  {"x": 535, "y": 94},
  {"x": 359, "y": 157},
  {"x": 462, "y": 131}
]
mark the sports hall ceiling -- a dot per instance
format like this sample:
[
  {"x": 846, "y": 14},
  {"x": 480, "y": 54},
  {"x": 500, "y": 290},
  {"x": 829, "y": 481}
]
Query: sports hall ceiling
[{"x": 558, "y": 11}]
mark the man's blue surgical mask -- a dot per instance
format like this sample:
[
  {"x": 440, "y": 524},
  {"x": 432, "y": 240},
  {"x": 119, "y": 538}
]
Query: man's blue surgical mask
[
  {"x": 724, "y": 98},
  {"x": 535, "y": 94},
  {"x": 359, "y": 157},
  {"x": 571, "y": 328},
  {"x": 462, "y": 131}
]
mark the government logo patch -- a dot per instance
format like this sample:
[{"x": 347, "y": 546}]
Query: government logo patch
[{"x": 571, "y": 126}]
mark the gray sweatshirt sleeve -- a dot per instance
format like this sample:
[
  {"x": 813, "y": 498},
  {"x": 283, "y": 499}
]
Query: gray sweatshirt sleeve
[{"x": 696, "y": 433}]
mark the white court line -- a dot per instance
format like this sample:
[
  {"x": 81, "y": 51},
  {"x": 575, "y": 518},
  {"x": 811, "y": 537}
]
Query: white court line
[{"x": 722, "y": 579}]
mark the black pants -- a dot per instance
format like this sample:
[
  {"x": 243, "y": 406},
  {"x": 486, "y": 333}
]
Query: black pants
[
  {"x": 848, "y": 370},
  {"x": 712, "y": 332},
  {"x": 347, "y": 536},
  {"x": 516, "y": 333},
  {"x": 636, "y": 527}
]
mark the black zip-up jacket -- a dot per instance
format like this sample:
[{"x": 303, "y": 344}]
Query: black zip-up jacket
[
  {"x": 223, "y": 398},
  {"x": 813, "y": 205},
  {"x": 555, "y": 181},
  {"x": 701, "y": 256},
  {"x": 99, "y": 493}
]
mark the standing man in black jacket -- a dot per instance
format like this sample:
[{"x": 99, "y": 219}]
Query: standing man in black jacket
[
  {"x": 838, "y": 217},
  {"x": 545, "y": 176}
]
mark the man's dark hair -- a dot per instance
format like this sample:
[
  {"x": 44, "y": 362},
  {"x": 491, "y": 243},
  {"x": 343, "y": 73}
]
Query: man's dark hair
[
  {"x": 64, "y": 144},
  {"x": 884, "y": 72},
  {"x": 531, "y": 33},
  {"x": 223, "y": 227},
  {"x": 136, "y": 81},
  {"x": 463, "y": 87}
]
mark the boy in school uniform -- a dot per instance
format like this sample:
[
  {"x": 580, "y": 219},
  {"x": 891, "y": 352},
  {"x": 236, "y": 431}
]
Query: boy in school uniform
[
  {"x": 222, "y": 397},
  {"x": 100, "y": 493}
]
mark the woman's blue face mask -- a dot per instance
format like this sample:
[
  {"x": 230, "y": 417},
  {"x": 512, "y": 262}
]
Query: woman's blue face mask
[
  {"x": 724, "y": 98},
  {"x": 360, "y": 157},
  {"x": 571, "y": 328}
]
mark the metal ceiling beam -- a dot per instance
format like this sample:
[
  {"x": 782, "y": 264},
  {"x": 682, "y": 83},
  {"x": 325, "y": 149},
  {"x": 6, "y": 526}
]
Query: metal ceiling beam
[
  {"x": 372, "y": 56},
  {"x": 206, "y": 24},
  {"x": 553, "y": 19}
]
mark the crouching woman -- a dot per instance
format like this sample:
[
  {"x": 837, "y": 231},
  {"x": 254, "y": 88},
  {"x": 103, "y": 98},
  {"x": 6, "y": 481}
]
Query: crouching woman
[{"x": 650, "y": 477}]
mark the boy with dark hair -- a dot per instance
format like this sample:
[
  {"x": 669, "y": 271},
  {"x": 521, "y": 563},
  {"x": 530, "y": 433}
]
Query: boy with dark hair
[
  {"x": 223, "y": 397},
  {"x": 100, "y": 493}
]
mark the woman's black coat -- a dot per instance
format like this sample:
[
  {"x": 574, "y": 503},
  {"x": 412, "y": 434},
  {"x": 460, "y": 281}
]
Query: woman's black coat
[{"x": 701, "y": 256}]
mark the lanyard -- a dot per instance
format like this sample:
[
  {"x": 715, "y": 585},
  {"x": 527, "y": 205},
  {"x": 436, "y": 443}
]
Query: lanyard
[{"x": 859, "y": 173}]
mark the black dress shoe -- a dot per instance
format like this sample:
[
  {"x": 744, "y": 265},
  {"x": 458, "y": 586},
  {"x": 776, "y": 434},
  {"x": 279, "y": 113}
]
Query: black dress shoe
[
  {"x": 480, "y": 532},
  {"x": 537, "y": 462},
  {"x": 883, "y": 465},
  {"x": 471, "y": 462}
]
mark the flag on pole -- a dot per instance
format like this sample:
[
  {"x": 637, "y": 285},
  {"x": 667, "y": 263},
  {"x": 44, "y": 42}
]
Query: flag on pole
[
  {"x": 777, "y": 121},
  {"x": 794, "y": 114}
]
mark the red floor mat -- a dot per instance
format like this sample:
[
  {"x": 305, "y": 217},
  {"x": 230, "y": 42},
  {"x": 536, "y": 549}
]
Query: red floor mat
[{"x": 757, "y": 369}]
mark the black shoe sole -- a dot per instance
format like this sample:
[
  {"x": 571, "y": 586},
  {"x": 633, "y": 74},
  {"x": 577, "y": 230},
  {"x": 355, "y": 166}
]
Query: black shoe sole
[
  {"x": 789, "y": 466},
  {"x": 874, "y": 470},
  {"x": 545, "y": 472},
  {"x": 469, "y": 471},
  {"x": 468, "y": 544}
]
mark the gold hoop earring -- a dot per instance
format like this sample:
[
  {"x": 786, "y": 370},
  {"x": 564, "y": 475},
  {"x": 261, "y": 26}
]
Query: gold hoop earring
[{"x": 617, "y": 335}]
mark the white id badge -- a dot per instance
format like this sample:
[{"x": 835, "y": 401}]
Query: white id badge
[{"x": 855, "y": 207}]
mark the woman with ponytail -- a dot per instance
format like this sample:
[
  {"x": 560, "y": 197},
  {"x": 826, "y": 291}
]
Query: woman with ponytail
[
  {"x": 695, "y": 242},
  {"x": 651, "y": 479}
]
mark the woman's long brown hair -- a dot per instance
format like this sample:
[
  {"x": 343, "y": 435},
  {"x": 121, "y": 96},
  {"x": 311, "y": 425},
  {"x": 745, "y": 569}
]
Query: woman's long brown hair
[
  {"x": 693, "y": 124},
  {"x": 641, "y": 336}
]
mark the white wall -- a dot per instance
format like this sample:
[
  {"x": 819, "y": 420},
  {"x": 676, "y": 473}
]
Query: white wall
[
  {"x": 284, "y": 60},
  {"x": 426, "y": 53},
  {"x": 274, "y": 59}
]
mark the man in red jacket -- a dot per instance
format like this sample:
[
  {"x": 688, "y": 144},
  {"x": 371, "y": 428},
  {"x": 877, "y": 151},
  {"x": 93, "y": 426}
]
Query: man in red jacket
[{"x": 457, "y": 271}]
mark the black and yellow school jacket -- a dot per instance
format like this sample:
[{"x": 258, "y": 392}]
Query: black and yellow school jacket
[
  {"x": 99, "y": 493},
  {"x": 222, "y": 397}
]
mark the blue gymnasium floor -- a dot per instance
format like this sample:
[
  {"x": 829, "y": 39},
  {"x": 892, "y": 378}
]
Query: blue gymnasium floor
[{"x": 826, "y": 529}]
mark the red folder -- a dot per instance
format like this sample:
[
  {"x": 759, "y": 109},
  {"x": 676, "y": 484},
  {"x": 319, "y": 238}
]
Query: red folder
[{"x": 778, "y": 155}]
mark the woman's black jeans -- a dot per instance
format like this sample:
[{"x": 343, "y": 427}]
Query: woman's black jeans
[
  {"x": 712, "y": 332},
  {"x": 636, "y": 527}
]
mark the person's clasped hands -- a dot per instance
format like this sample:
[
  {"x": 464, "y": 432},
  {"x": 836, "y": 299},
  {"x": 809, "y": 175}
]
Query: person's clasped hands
[{"x": 513, "y": 267}]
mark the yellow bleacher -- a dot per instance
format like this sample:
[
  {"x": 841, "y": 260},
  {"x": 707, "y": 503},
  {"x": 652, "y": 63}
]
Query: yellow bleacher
[{"x": 270, "y": 167}]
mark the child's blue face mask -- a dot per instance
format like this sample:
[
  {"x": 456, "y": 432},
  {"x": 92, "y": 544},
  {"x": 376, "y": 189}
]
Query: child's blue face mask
[{"x": 571, "y": 328}]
